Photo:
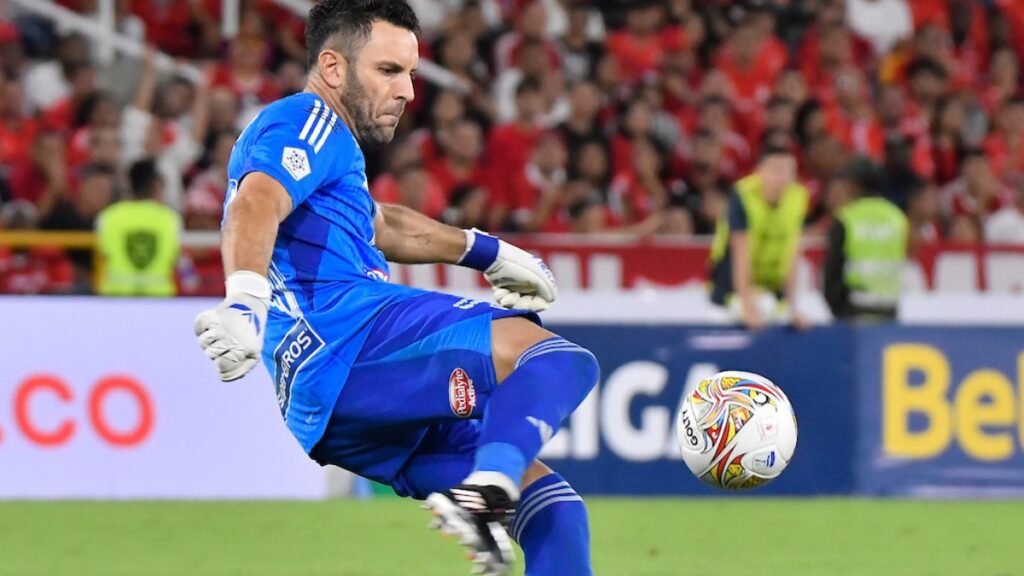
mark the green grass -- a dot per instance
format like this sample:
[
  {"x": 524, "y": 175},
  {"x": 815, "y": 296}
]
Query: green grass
[{"x": 631, "y": 537}]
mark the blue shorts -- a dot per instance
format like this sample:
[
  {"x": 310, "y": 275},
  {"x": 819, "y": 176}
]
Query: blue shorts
[{"x": 409, "y": 413}]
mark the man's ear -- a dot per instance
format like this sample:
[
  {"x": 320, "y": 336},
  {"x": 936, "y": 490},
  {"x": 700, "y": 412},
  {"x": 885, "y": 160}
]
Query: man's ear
[{"x": 333, "y": 68}]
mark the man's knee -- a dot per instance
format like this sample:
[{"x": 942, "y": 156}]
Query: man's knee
[{"x": 517, "y": 341}]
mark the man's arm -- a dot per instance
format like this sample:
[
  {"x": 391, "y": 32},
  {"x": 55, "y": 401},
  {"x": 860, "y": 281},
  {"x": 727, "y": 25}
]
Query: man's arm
[
  {"x": 520, "y": 280},
  {"x": 408, "y": 237},
  {"x": 232, "y": 333},
  {"x": 250, "y": 229},
  {"x": 741, "y": 279}
]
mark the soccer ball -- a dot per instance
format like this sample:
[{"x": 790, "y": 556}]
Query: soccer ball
[{"x": 737, "y": 430}]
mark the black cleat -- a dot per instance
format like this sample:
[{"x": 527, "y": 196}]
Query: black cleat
[{"x": 478, "y": 515}]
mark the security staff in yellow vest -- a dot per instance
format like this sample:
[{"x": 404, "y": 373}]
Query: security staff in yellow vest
[
  {"x": 867, "y": 247},
  {"x": 756, "y": 243},
  {"x": 138, "y": 239}
]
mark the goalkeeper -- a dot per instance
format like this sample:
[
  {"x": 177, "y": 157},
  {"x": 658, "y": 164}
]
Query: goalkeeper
[{"x": 442, "y": 398}]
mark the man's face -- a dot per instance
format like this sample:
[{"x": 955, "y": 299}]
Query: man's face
[{"x": 378, "y": 84}]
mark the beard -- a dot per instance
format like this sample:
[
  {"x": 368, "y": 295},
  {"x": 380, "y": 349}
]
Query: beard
[{"x": 358, "y": 103}]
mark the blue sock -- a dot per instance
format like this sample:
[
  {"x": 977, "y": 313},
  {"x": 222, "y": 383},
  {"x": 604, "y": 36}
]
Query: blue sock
[
  {"x": 551, "y": 527},
  {"x": 550, "y": 379}
]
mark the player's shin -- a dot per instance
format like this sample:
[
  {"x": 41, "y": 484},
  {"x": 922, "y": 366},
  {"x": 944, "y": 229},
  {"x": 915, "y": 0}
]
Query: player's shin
[
  {"x": 550, "y": 380},
  {"x": 552, "y": 528}
]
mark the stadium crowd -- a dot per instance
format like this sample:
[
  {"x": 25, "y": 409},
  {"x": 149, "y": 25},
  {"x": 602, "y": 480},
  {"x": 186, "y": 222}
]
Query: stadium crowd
[{"x": 631, "y": 117}]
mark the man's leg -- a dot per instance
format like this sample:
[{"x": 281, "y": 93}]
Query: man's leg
[
  {"x": 543, "y": 378},
  {"x": 551, "y": 522},
  {"x": 551, "y": 525}
]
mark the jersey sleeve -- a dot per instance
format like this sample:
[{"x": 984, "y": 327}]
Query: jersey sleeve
[
  {"x": 297, "y": 152},
  {"x": 737, "y": 216}
]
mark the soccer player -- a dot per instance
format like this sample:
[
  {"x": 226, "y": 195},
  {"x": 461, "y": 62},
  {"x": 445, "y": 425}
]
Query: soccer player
[{"x": 443, "y": 398}]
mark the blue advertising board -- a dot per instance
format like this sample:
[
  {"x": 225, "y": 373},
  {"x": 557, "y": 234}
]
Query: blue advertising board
[
  {"x": 941, "y": 411},
  {"x": 622, "y": 440}
]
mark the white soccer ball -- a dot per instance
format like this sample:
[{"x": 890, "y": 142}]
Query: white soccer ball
[{"x": 737, "y": 430}]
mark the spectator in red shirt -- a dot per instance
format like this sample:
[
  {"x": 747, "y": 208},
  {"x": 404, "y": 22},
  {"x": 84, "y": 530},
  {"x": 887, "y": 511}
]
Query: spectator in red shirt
[
  {"x": 43, "y": 270},
  {"x": 850, "y": 115},
  {"x": 461, "y": 161},
  {"x": 530, "y": 26},
  {"x": 245, "y": 72},
  {"x": 929, "y": 83},
  {"x": 185, "y": 29},
  {"x": 641, "y": 45},
  {"x": 828, "y": 47},
  {"x": 639, "y": 191},
  {"x": 509, "y": 145},
  {"x": 1005, "y": 146},
  {"x": 537, "y": 188},
  {"x": 44, "y": 175},
  {"x": 1004, "y": 80},
  {"x": 924, "y": 217},
  {"x": 977, "y": 192},
  {"x": 753, "y": 60},
  {"x": 636, "y": 125},
  {"x": 17, "y": 130}
]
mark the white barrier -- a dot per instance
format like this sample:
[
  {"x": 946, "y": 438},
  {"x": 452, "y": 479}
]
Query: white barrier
[{"x": 114, "y": 399}]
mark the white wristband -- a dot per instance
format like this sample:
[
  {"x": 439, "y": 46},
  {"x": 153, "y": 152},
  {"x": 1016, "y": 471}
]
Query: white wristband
[{"x": 248, "y": 282}]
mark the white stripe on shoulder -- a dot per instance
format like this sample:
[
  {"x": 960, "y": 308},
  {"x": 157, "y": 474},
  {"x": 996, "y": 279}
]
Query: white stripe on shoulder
[
  {"x": 327, "y": 132},
  {"x": 319, "y": 125},
  {"x": 309, "y": 121}
]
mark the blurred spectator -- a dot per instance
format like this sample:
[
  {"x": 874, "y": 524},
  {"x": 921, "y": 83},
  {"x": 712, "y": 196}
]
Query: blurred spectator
[
  {"x": 639, "y": 191},
  {"x": 924, "y": 217},
  {"x": 461, "y": 161},
  {"x": 530, "y": 27},
  {"x": 468, "y": 207},
  {"x": 1005, "y": 146},
  {"x": 509, "y": 145},
  {"x": 582, "y": 125},
  {"x": 705, "y": 188},
  {"x": 158, "y": 125},
  {"x": 49, "y": 81},
  {"x": 580, "y": 52},
  {"x": 754, "y": 253},
  {"x": 42, "y": 270},
  {"x": 204, "y": 199},
  {"x": 965, "y": 229},
  {"x": 138, "y": 239},
  {"x": 536, "y": 190},
  {"x": 1006, "y": 226},
  {"x": 977, "y": 192},
  {"x": 752, "y": 59},
  {"x": 867, "y": 246}
]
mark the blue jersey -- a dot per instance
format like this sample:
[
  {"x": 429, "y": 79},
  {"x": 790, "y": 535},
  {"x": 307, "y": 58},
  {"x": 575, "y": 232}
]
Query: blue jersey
[{"x": 329, "y": 280}]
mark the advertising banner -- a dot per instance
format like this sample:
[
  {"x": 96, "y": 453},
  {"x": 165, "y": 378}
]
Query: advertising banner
[
  {"x": 942, "y": 411},
  {"x": 112, "y": 398},
  {"x": 623, "y": 439}
]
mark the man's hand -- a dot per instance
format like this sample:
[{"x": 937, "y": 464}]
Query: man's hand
[
  {"x": 520, "y": 279},
  {"x": 232, "y": 333}
]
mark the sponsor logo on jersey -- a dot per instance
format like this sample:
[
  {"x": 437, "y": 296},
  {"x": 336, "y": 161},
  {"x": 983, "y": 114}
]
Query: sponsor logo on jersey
[
  {"x": 294, "y": 351},
  {"x": 461, "y": 393}
]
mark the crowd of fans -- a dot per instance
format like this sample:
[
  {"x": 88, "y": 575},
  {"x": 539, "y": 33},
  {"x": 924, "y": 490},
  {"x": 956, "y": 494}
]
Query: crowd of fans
[{"x": 603, "y": 116}]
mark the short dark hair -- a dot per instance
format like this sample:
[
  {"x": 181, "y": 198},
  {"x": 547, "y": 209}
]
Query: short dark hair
[
  {"x": 927, "y": 66},
  {"x": 144, "y": 179},
  {"x": 352, "y": 21}
]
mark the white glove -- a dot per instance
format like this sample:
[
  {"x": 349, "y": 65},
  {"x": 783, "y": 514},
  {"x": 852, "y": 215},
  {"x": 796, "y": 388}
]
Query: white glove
[
  {"x": 232, "y": 333},
  {"x": 520, "y": 279}
]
